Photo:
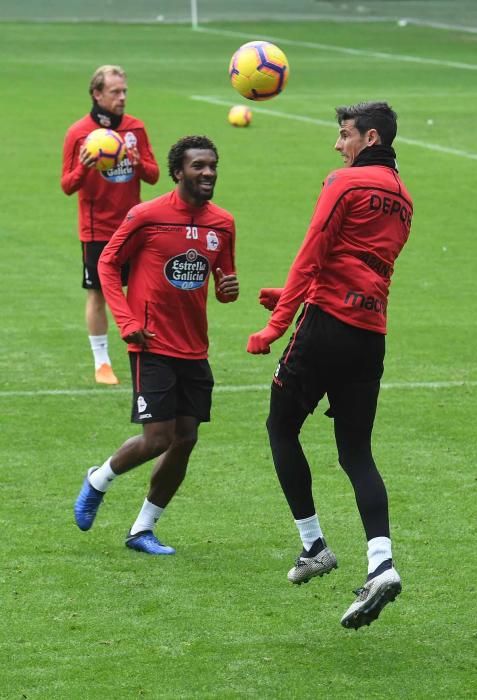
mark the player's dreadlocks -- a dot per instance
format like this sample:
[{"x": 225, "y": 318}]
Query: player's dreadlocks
[{"x": 176, "y": 154}]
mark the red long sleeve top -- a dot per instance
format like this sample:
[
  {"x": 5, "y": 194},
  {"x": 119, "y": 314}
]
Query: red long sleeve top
[
  {"x": 104, "y": 198},
  {"x": 172, "y": 248},
  {"x": 361, "y": 221}
]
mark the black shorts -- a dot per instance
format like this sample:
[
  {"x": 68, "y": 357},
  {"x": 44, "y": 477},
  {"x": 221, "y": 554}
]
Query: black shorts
[
  {"x": 91, "y": 252},
  {"x": 327, "y": 356},
  {"x": 166, "y": 387}
]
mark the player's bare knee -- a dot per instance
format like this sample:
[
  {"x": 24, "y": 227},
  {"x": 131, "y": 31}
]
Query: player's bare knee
[
  {"x": 156, "y": 445},
  {"x": 157, "y": 439},
  {"x": 185, "y": 443}
]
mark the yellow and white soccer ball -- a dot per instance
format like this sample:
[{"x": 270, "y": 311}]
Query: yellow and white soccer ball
[
  {"x": 107, "y": 147},
  {"x": 240, "y": 115},
  {"x": 259, "y": 70}
]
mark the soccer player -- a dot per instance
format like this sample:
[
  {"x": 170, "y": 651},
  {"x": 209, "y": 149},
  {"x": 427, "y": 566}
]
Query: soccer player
[
  {"x": 342, "y": 273},
  {"x": 173, "y": 244},
  {"x": 104, "y": 198}
]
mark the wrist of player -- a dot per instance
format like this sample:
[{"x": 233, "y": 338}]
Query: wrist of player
[
  {"x": 130, "y": 330},
  {"x": 269, "y": 297},
  {"x": 259, "y": 343}
]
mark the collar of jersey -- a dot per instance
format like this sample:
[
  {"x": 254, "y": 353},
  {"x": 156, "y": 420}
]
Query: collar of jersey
[
  {"x": 179, "y": 204},
  {"x": 104, "y": 118}
]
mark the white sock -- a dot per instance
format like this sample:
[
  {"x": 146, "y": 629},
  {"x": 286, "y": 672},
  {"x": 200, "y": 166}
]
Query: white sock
[
  {"x": 379, "y": 549},
  {"x": 310, "y": 530},
  {"x": 102, "y": 477},
  {"x": 99, "y": 346},
  {"x": 147, "y": 518}
]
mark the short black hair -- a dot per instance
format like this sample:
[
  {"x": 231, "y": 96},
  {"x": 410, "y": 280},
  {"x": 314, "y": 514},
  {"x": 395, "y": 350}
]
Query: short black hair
[
  {"x": 371, "y": 115},
  {"x": 176, "y": 154}
]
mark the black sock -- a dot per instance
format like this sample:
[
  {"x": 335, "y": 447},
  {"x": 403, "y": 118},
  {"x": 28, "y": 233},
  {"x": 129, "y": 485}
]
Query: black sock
[
  {"x": 384, "y": 566},
  {"x": 317, "y": 547}
]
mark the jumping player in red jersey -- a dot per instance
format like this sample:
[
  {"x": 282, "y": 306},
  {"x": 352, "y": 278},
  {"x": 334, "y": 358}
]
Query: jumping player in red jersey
[
  {"x": 172, "y": 244},
  {"x": 342, "y": 274},
  {"x": 104, "y": 198}
]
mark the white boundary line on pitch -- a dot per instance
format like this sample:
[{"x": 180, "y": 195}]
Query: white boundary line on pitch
[
  {"x": 323, "y": 122},
  {"x": 440, "y": 25},
  {"x": 225, "y": 389},
  {"x": 346, "y": 50}
]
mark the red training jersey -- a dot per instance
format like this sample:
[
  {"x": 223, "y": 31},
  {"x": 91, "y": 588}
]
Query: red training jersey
[
  {"x": 171, "y": 248},
  {"x": 361, "y": 221},
  {"x": 105, "y": 197}
]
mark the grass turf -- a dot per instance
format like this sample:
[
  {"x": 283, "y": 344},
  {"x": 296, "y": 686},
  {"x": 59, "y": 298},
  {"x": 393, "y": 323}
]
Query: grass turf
[{"x": 82, "y": 616}]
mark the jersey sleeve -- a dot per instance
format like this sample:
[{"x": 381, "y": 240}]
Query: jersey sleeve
[
  {"x": 73, "y": 172},
  {"x": 226, "y": 262},
  {"x": 128, "y": 238},
  {"x": 325, "y": 224},
  {"x": 147, "y": 167}
]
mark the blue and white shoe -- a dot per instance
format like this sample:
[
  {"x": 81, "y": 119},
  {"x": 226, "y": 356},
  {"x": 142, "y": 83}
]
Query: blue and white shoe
[
  {"x": 87, "y": 503},
  {"x": 147, "y": 542}
]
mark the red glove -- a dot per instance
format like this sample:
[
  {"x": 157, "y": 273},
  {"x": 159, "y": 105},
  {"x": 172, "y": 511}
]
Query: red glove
[
  {"x": 259, "y": 343},
  {"x": 269, "y": 297}
]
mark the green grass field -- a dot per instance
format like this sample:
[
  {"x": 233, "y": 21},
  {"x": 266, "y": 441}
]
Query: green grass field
[{"x": 84, "y": 618}]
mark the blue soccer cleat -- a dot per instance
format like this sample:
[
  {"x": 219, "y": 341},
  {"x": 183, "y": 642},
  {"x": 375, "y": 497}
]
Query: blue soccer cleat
[
  {"x": 147, "y": 542},
  {"x": 87, "y": 503}
]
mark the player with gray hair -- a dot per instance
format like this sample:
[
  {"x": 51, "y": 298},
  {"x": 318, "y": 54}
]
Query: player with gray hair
[{"x": 104, "y": 198}]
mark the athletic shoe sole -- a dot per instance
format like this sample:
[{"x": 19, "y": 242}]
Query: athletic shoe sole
[{"x": 370, "y": 610}]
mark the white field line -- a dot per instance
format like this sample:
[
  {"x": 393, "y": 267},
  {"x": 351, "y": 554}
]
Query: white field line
[
  {"x": 441, "y": 25},
  {"x": 347, "y": 50},
  {"x": 323, "y": 122},
  {"x": 225, "y": 389}
]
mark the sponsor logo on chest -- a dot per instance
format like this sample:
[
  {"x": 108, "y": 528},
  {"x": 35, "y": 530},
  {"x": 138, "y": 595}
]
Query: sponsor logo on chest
[
  {"x": 123, "y": 172},
  {"x": 187, "y": 271}
]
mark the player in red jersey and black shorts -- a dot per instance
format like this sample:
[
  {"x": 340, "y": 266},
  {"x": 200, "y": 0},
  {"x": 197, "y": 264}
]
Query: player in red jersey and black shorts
[
  {"x": 104, "y": 198},
  {"x": 342, "y": 273},
  {"x": 173, "y": 245}
]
